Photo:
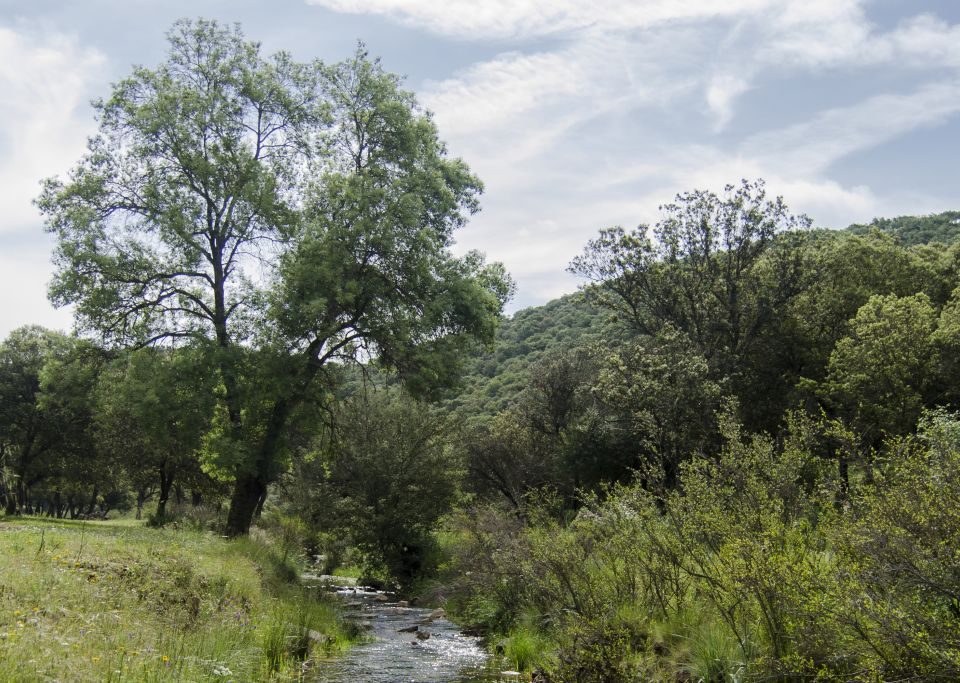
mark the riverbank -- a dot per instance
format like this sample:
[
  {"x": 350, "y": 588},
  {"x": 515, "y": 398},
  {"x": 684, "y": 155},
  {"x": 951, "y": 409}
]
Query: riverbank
[{"x": 116, "y": 601}]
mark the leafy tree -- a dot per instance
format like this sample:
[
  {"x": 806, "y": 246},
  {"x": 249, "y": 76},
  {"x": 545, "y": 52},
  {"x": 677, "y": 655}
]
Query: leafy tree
[
  {"x": 153, "y": 407},
  {"x": 382, "y": 478},
  {"x": 26, "y": 436},
  {"x": 659, "y": 393},
  {"x": 946, "y": 341},
  {"x": 507, "y": 458},
  {"x": 280, "y": 215},
  {"x": 879, "y": 375},
  {"x": 943, "y": 228},
  {"x": 845, "y": 271},
  {"x": 82, "y": 475},
  {"x": 901, "y": 593},
  {"x": 701, "y": 271}
]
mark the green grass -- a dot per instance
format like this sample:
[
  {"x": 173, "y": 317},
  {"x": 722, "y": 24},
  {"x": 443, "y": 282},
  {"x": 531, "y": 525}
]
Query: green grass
[{"x": 100, "y": 601}]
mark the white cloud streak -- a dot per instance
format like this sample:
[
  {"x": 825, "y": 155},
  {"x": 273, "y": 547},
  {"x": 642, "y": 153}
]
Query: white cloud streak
[
  {"x": 484, "y": 19},
  {"x": 540, "y": 127}
]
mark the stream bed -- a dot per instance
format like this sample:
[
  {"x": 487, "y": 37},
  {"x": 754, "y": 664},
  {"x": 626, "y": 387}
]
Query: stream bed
[{"x": 406, "y": 644}]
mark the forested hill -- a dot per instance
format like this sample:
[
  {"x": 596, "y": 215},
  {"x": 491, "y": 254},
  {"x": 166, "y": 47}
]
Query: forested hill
[
  {"x": 913, "y": 230},
  {"x": 495, "y": 378}
]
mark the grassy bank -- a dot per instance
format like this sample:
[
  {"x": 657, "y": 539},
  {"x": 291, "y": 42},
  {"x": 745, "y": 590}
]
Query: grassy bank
[{"x": 103, "y": 601}]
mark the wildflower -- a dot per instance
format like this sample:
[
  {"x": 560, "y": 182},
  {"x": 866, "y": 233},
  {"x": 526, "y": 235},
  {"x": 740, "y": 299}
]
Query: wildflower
[
  {"x": 165, "y": 659},
  {"x": 95, "y": 659}
]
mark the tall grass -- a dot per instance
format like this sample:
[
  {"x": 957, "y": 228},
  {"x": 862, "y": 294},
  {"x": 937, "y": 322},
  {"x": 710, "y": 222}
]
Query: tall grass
[{"x": 97, "y": 601}]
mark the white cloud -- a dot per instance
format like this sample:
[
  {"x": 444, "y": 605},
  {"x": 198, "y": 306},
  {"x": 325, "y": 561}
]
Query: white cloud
[
  {"x": 24, "y": 272},
  {"x": 587, "y": 134},
  {"x": 812, "y": 146},
  {"x": 474, "y": 19},
  {"x": 721, "y": 93},
  {"x": 45, "y": 82}
]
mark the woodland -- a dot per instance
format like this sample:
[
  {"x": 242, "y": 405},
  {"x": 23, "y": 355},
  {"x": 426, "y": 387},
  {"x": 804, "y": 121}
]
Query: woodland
[{"x": 733, "y": 454}]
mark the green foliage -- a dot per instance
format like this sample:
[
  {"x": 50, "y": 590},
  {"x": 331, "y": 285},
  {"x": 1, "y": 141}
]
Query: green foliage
[
  {"x": 381, "y": 478},
  {"x": 942, "y": 228},
  {"x": 879, "y": 376},
  {"x": 51, "y": 459},
  {"x": 153, "y": 407},
  {"x": 494, "y": 379},
  {"x": 744, "y": 571},
  {"x": 660, "y": 394},
  {"x": 901, "y": 555},
  {"x": 280, "y": 217},
  {"x": 526, "y": 649},
  {"x": 712, "y": 268}
]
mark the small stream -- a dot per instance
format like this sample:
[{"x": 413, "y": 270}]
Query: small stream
[{"x": 406, "y": 645}]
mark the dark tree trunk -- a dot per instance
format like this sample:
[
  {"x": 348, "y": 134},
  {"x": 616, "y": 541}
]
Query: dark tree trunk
[
  {"x": 250, "y": 491},
  {"x": 196, "y": 498},
  {"x": 92, "y": 505},
  {"x": 166, "y": 483},
  {"x": 243, "y": 503},
  {"x": 22, "y": 501},
  {"x": 844, "y": 493}
]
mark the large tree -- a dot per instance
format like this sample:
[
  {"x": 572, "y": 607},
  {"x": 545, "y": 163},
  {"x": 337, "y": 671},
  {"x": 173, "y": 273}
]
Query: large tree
[
  {"x": 280, "y": 215},
  {"x": 718, "y": 268}
]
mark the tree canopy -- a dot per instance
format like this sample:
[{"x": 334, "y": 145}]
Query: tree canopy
[{"x": 299, "y": 212}]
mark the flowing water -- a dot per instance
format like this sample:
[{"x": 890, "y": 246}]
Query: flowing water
[{"x": 436, "y": 652}]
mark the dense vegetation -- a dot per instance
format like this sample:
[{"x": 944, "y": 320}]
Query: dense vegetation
[
  {"x": 755, "y": 478},
  {"x": 733, "y": 455}
]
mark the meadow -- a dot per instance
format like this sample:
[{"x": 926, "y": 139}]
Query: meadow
[{"x": 116, "y": 601}]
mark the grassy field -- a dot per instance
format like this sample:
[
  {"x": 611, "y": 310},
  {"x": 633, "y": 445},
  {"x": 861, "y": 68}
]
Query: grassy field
[{"x": 116, "y": 601}]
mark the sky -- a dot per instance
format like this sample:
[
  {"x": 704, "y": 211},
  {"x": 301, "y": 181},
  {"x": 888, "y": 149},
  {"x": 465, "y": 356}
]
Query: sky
[{"x": 576, "y": 115}]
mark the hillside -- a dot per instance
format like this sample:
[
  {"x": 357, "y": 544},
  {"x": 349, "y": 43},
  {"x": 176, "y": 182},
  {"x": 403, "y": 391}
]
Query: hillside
[
  {"x": 943, "y": 228},
  {"x": 494, "y": 378}
]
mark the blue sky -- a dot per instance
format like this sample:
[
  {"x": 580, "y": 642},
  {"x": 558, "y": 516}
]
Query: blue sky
[{"x": 577, "y": 115}]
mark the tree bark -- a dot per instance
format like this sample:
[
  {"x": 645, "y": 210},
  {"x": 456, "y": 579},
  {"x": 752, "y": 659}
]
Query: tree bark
[
  {"x": 243, "y": 503},
  {"x": 166, "y": 482},
  {"x": 250, "y": 491}
]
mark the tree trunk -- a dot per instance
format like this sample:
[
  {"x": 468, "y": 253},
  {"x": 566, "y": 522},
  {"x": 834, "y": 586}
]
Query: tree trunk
[
  {"x": 250, "y": 491},
  {"x": 166, "y": 483},
  {"x": 92, "y": 505},
  {"x": 243, "y": 503},
  {"x": 843, "y": 495},
  {"x": 257, "y": 511}
]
